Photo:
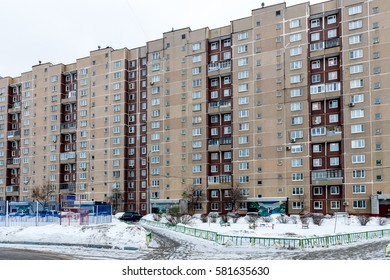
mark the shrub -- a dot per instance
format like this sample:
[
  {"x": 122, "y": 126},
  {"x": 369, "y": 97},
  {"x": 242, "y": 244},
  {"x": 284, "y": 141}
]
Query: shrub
[
  {"x": 318, "y": 218},
  {"x": 204, "y": 218},
  {"x": 294, "y": 219},
  {"x": 283, "y": 219},
  {"x": 233, "y": 216},
  {"x": 251, "y": 219},
  {"x": 363, "y": 220},
  {"x": 382, "y": 221},
  {"x": 267, "y": 219},
  {"x": 186, "y": 219}
]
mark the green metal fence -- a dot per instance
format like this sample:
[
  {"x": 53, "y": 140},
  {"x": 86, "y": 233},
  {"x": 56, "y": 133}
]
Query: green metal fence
[{"x": 277, "y": 242}]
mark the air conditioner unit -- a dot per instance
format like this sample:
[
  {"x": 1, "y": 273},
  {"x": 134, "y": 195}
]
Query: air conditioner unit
[
  {"x": 345, "y": 203},
  {"x": 288, "y": 148},
  {"x": 351, "y": 104},
  {"x": 293, "y": 140},
  {"x": 151, "y": 83}
]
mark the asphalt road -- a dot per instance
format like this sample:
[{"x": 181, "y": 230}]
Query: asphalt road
[{"x": 19, "y": 254}]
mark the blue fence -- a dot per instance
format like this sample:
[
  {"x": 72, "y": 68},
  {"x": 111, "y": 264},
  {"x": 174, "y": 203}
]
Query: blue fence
[{"x": 36, "y": 214}]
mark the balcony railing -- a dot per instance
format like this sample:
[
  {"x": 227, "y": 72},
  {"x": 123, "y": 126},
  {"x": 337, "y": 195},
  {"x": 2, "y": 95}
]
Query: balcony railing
[
  {"x": 68, "y": 155},
  {"x": 322, "y": 88},
  {"x": 219, "y": 179},
  {"x": 330, "y": 174},
  {"x": 220, "y": 65},
  {"x": 220, "y": 141},
  {"x": 220, "y": 104},
  {"x": 13, "y": 133},
  {"x": 13, "y": 161},
  {"x": 68, "y": 186},
  {"x": 69, "y": 125},
  {"x": 335, "y": 42}
]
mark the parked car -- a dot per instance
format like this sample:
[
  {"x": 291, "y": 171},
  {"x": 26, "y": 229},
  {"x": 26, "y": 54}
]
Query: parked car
[{"x": 131, "y": 216}]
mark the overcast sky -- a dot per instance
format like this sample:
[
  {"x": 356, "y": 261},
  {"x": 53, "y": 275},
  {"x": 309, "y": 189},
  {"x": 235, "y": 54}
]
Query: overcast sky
[{"x": 61, "y": 31}]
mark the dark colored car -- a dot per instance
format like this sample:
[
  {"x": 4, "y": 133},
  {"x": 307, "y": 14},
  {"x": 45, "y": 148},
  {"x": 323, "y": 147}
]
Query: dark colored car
[{"x": 131, "y": 216}]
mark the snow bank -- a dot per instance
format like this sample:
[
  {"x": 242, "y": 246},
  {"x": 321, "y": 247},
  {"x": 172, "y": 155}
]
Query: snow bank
[{"x": 116, "y": 234}]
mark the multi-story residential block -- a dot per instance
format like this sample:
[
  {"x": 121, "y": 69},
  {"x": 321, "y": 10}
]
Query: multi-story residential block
[{"x": 283, "y": 111}]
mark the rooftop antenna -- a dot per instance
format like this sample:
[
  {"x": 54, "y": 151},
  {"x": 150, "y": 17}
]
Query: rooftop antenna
[
  {"x": 40, "y": 62},
  {"x": 262, "y": 4}
]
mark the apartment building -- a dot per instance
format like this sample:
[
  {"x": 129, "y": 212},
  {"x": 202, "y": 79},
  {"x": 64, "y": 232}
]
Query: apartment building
[{"x": 283, "y": 111}]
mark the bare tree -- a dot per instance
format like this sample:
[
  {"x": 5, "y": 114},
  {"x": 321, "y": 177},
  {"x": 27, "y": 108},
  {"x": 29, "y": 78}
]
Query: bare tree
[
  {"x": 235, "y": 196},
  {"x": 192, "y": 195},
  {"x": 42, "y": 194},
  {"x": 115, "y": 200}
]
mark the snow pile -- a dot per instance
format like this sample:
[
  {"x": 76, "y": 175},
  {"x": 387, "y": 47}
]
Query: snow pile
[{"x": 116, "y": 234}]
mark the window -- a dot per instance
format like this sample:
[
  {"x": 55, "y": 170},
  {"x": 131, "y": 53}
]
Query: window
[
  {"x": 295, "y": 79},
  {"x": 357, "y": 98},
  {"x": 332, "y": 33},
  {"x": 298, "y": 191},
  {"x": 295, "y": 51},
  {"x": 316, "y": 64},
  {"x": 317, "y": 162},
  {"x": 242, "y": 36},
  {"x": 358, "y": 143},
  {"x": 358, "y": 159},
  {"x": 297, "y": 177},
  {"x": 355, "y": 39},
  {"x": 356, "y": 189},
  {"x": 295, "y": 23},
  {"x": 335, "y": 205},
  {"x": 196, "y": 46},
  {"x": 332, "y": 61},
  {"x": 242, "y": 49},
  {"x": 359, "y": 204},
  {"x": 295, "y": 92},
  {"x": 296, "y": 65},
  {"x": 296, "y": 162},
  {"x": 356, "y": 83},
  {"x": 355, "y": 54},
  {"x": 315, "y": 23},
  {"x": 295, "y": 37},
  {"x": 358, "y": 173},
  {"x": 334, "y": 147},
  {"x": 296, "y": 106},
  {"x": 355, "y": 24},
  {"x": 331, "y": 19},
  {"x": 315, "y": 36},
  {"x": 358, "y": 68},
  {"x": 355, "y": 10},
  {"x": 316, "y": 78},
  {"x": 357, "y": 128},
  {"x": 297, "y": 205},
  {"x": 296, "y": 148},
  {"x": 357, "y": 113}
]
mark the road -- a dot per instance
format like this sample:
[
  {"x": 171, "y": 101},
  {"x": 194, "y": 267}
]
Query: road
[{"x": 20, "y": 254}]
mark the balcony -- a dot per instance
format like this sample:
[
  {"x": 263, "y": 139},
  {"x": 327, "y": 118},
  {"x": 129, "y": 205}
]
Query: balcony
[
  {"x": 319, "y": 177},
  {"x": 12, "y": 190},
  {"x": 68, "y": 127},
  {"x": 13, "y": 161},
  {"x": 220, "y": 106},
  {"x": 70, "y": 187},
  {"x": 69, "y": 97},
  {"x": 15, "y": 107},
  {"x": 69, "y": 156},
  {"x": 13, "y": 134},
  {"x": 223, "y": 144},
  {"x": 326, "y": 47},
  {"x": 221, "y": 179},
  {"x": 220, "y": 65}
]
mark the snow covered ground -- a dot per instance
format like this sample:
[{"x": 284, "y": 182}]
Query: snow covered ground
[{"x": 119, "y": 240}]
